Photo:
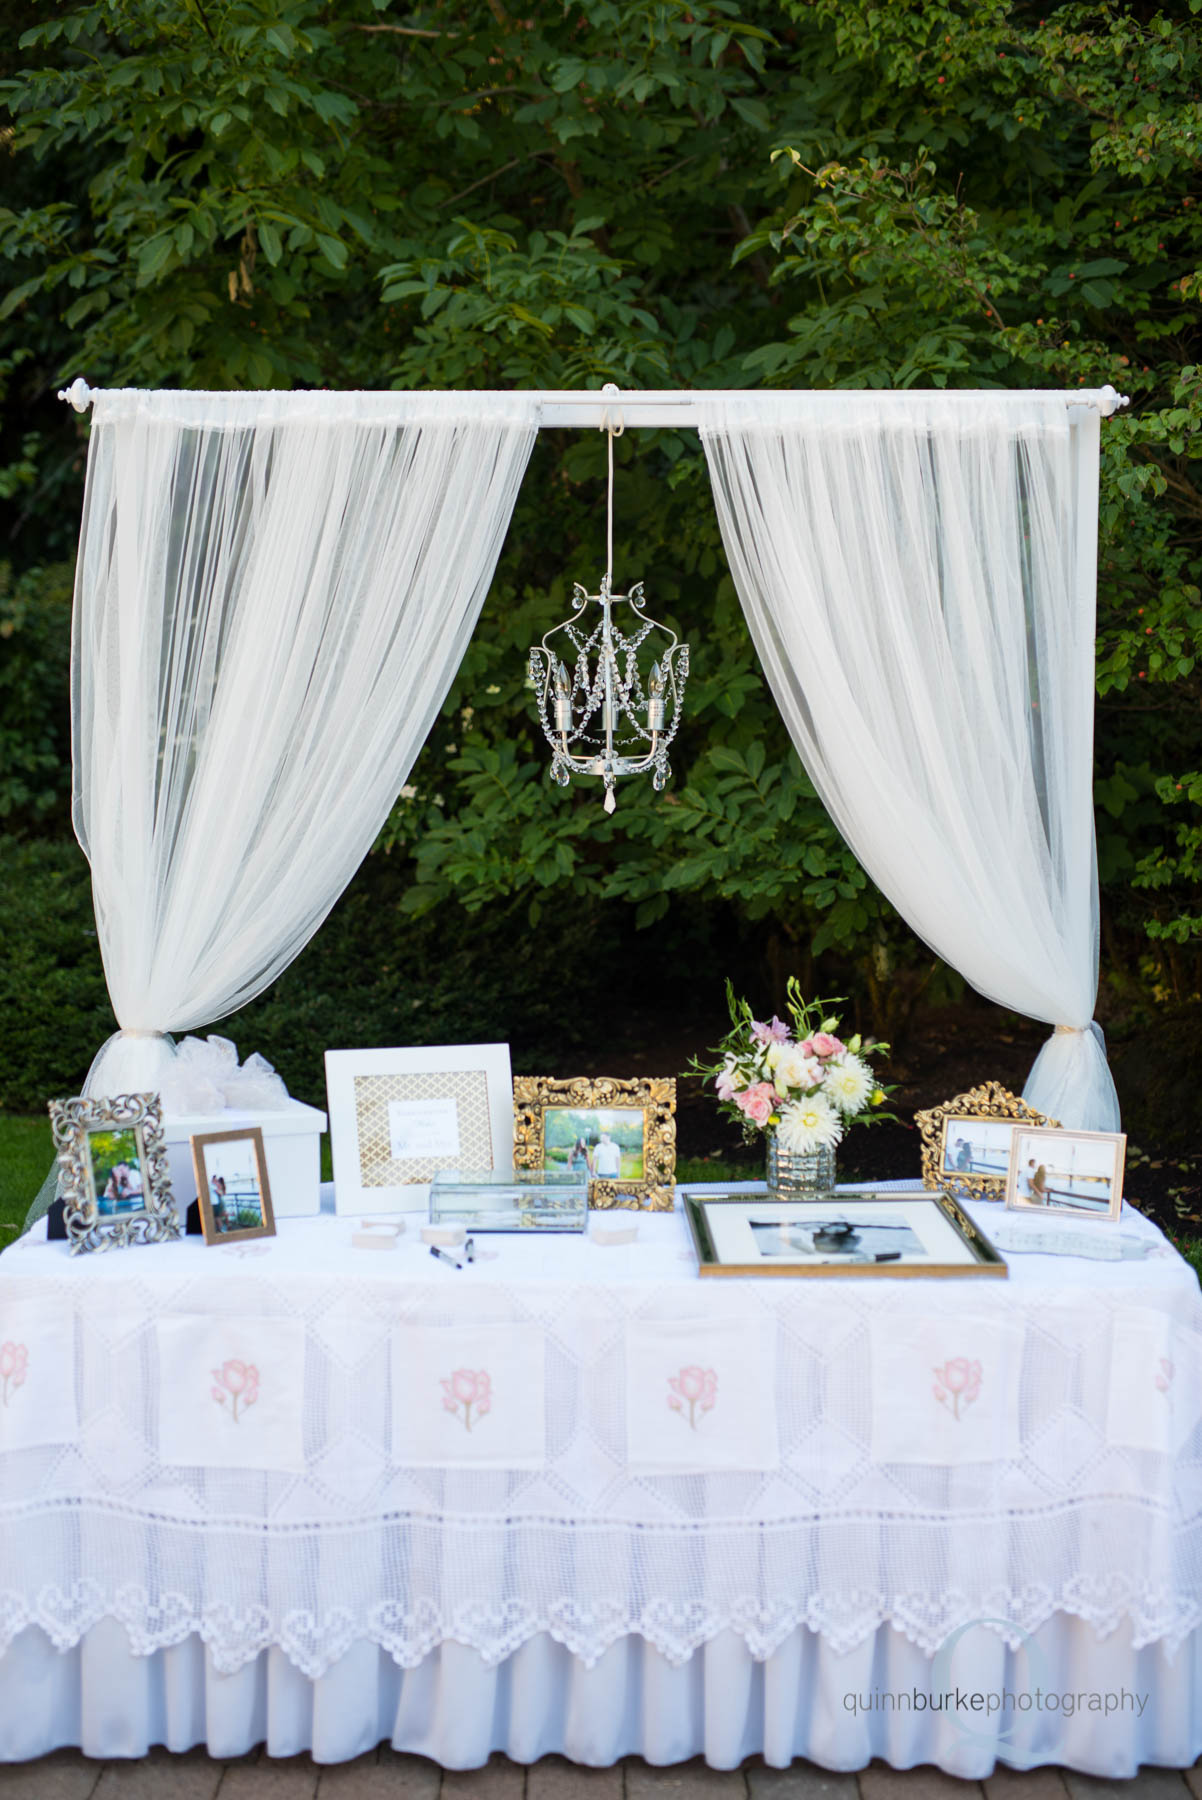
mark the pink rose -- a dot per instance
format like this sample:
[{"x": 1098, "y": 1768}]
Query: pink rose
[
  {"x": 233, "y": 1376},
  {"x": 470, "y": 1389},
  {"x": 825, "y": 1045},
  {"x": 807, "y": 1047},
  {"x": 696, "y": 1387},
  {"x": 1163, "y": 1379},
  {"x": 758, "y": 1102},
  {"x": 957, "y": 1382},
  {"x": 14, "y": 1360}
]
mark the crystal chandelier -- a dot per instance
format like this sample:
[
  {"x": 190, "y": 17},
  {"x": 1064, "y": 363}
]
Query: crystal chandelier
[{"x": 602, "y": 715}]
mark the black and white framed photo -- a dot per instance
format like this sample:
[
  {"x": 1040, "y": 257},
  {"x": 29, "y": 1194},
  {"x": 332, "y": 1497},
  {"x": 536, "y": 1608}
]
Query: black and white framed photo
[
  {"x": 232, "y": 1186},
  {"x": 397, "y": 1116},
  {"x": 1075, "y": 1173},
  {"x": 916, "y": 1233},
  {"x": 114, "y": 1183}
]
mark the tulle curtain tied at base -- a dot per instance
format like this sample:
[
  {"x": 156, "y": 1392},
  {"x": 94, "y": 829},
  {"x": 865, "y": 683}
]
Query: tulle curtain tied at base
[
  {"x": 273, "y": 595},
  {"x": 919, "y": 579}
]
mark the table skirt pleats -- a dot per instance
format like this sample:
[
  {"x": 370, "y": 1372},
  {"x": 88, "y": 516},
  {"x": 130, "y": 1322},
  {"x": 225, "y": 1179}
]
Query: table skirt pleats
[{"x": 839, "y": 1711}]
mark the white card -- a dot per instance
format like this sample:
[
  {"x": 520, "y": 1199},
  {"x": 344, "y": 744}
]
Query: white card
[
  {"x": 700, "y": 1396},
  {"x": 37, "y": 1375},
  {"x": 470, "y": 1396},
  {"x": 230, "y": 1392},
  {"x": 424, "y": 1127},
  {"x": 944, "y": 1390}
]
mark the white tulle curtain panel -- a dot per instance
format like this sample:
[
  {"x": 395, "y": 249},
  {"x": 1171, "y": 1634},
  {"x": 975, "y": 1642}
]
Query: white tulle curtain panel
[
  {"x": 919, "y": 573},
  {"x": 274, "y": 593}
]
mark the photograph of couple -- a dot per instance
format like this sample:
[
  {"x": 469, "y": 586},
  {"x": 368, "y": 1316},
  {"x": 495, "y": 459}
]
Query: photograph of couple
[
  {"x": 977, "y": 1146},
  {"x": 594, "y": 1143},
  {"x": 115, "y": 1159},
  {"x": 1067, "y": 1172},
  {"x": 234, "y": 1197}
]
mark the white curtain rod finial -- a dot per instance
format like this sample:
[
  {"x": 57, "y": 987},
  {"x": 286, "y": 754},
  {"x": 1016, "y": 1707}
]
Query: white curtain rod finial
[
  {"x": 1111, "y": 400},
  {"x": 79, "y": 394}
]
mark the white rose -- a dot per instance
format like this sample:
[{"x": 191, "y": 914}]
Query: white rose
[{"x": 793, "y": 1070}]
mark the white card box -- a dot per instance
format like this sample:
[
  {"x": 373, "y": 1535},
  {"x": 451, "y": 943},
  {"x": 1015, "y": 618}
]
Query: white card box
[{"x": 291, "y": 1138}]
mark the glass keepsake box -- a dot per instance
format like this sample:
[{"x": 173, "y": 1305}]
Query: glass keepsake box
[{"x": 509, "y": 1199}]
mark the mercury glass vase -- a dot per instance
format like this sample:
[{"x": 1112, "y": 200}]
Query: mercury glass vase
[{"x": 801, "y": 1176}]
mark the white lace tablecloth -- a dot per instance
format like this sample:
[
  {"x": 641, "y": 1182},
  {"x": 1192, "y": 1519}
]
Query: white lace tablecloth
[{"x": 301, "y": 1445}]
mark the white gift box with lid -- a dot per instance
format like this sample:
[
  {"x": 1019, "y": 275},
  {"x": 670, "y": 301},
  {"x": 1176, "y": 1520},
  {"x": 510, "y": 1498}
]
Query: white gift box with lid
[
  {"x": 291, "y": 1140},
  {"x": 204, "y": 1089}
]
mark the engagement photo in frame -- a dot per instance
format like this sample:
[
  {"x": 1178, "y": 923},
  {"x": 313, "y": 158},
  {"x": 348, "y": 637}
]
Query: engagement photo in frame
[
  {"x": 232, "y": 1186},
  {"x": 1078, "y": 1174},
  {"x": 114, "y": 1184},
  {"x": 966, "y": 1141},
  {"x": 618, "y": 1135},
  {"x": 894, "y": 1234}
]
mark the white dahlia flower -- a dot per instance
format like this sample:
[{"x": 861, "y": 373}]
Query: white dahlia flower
[
  {"x": 849, "y": 1083},
  {"x": 809, "y": 1124}
]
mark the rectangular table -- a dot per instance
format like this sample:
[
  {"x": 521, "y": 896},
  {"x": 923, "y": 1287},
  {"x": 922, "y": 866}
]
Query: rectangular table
[{"x": 573, "y": 1498}]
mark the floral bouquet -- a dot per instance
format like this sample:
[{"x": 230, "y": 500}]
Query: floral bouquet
[{"x": 799, "y": 1078}]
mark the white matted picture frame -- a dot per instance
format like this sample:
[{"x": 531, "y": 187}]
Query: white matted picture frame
[
  {"x": 1074, "y": 1174},
  {"x": 399, "y": 1115}
]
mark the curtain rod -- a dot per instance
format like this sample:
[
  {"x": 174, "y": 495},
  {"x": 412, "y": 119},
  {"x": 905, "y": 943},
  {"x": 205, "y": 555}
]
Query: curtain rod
[{"x": 650, "y": 407}]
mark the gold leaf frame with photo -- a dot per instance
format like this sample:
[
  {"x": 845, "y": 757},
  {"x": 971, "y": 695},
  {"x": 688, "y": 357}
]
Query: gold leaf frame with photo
[
  {"x": 654, "y": 1097},
  {"x": 989, "y": 1101}
]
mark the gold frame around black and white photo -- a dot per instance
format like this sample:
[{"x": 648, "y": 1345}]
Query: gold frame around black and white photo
[
  {"x": 605, "y": 1108},
  {"x": 842, "y": 1234},
  {"x": 966, "y": 1141}
]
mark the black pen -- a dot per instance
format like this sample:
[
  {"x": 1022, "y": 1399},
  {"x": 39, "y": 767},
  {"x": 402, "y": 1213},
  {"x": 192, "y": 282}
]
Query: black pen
[{"x": 443, "y": 1257}]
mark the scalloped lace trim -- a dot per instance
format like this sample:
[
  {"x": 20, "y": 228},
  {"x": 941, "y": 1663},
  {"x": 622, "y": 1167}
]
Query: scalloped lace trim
[{"x": 409, "y": 1633}]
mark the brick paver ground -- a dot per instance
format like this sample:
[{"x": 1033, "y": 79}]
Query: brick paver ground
[{"x": 384, "y": 1775}]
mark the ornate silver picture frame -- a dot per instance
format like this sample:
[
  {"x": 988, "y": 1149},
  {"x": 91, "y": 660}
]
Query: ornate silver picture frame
[{"x": 115, "y": 1185}]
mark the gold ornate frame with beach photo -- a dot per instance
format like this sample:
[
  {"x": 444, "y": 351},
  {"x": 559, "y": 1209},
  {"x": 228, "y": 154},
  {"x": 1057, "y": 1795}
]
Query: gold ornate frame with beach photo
[
  {"x": 621, "y": 1135},
  {"x": 966, "y": 1141}
]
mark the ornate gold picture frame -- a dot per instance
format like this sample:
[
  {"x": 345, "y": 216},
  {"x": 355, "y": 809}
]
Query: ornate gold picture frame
[
  {"x": 620, "y": 1134},
  {"x": 966, "y": 1141}
]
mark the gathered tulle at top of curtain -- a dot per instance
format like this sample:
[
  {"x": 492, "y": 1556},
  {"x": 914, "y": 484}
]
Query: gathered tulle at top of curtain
[{"x": 198, "y": 409}]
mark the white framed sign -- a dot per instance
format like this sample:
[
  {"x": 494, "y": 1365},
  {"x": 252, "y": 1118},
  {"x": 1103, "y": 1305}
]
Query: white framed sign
[{"x": 398, "y": 1116}]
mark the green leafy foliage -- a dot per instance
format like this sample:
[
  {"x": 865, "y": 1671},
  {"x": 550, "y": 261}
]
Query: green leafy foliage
[{"x": 261, "y": 193}]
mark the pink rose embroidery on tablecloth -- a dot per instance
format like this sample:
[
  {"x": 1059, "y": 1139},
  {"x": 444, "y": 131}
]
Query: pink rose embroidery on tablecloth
[
  {"x": 957, "y": 1384},
  {"x": 14, "y": 1361},
  {"x": 1164, "y": 1375},
  {"x": 235, "y": 1386},
  {"x": 467, "y": 1388},
  {"x": 694, "y": 1387}
]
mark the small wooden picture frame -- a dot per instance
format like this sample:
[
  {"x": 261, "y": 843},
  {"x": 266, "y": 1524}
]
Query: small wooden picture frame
[
  {"x": 232, "y": 1188},
  {"x": 966, "y": 1142},
  {"x": 620, "y": 1135},
  {"x": 1074, "y": 1174}
]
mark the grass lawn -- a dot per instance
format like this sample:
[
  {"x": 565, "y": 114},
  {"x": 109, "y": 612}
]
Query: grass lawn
[
  {"x": 26, "y": 1153},
  {"x": 27, "y": 1150}
]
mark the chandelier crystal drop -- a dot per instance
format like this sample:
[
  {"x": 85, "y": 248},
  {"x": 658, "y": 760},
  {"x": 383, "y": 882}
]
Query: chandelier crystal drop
[{"x": 609, "y": 684}]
